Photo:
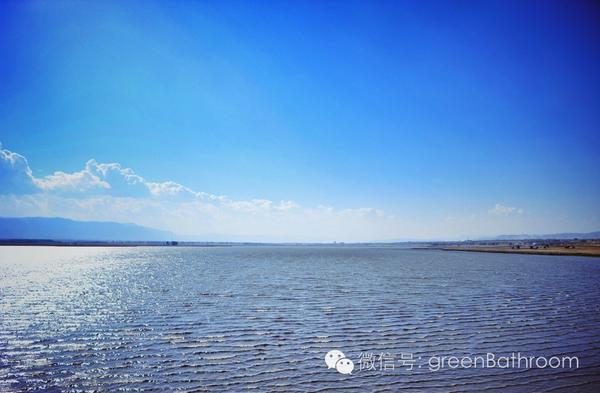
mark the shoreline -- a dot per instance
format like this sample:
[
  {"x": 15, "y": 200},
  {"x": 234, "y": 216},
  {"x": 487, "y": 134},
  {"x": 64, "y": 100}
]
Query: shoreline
[
  {"x": 581, "y": 250},
  {"x": 587, "y": 252}
]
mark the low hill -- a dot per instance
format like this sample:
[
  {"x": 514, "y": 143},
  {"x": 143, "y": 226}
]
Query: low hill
[{"x": 65, "y": 229}]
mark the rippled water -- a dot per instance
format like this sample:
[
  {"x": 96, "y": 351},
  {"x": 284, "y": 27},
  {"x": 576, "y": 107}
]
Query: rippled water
[{"x": 262, "y": 319}]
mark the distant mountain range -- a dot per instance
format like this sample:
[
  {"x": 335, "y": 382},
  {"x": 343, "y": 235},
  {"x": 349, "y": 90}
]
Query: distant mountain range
[
  {"x": 65, "y": 229},
  {"x": 49, "y": 228},
  {"x": 558, "y": 236}
]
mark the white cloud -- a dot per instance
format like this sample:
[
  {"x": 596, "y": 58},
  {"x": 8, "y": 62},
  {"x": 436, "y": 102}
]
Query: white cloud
[
  {"x": 108, "y": 191},
  {"x": 122, "y": 181},
  {"x": 502, "y": 210},
  {"x": 94, "y": 179},
  {"x": 259, "y": 205},
  {"x": 243, "y": 220},
  {"x": 82, "y": 181},
  {"x": 170, "y": 188},
  {"x": 15, "y": 175}
]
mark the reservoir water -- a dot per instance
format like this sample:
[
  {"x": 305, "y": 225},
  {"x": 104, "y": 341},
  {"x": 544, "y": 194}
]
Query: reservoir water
[{"x": 262, "y": 319}]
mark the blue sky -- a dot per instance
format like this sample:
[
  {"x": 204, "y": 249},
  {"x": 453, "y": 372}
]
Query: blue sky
[{"x": 446, "y": 119}]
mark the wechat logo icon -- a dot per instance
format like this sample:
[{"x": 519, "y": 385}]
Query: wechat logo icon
[{"x": 336, "y": 359}]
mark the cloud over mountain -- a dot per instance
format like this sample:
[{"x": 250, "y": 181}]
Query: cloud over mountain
[{"x": 108, "y": 191}]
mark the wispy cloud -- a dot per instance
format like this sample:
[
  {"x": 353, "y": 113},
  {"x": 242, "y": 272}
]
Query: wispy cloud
[
  {"x": 15, "y": 175},
  {"x": 502, "y": 210}
]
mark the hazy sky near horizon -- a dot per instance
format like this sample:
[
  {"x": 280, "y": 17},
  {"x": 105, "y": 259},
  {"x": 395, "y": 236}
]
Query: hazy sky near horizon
[{"x": 303, "y": 120}]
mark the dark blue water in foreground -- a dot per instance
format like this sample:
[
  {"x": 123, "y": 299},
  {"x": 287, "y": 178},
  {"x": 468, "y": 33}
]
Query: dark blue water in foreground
[{"x": 262, "y": 319}]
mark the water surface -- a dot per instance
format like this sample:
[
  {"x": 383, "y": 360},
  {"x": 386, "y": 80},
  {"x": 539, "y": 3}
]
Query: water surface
[{"x": 262, "y": 318}]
